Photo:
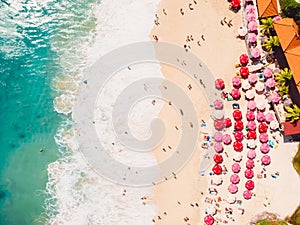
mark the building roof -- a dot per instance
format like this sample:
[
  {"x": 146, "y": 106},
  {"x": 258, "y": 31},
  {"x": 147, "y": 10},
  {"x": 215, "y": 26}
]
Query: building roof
[
  {"x": 291, "y": 129},
  {"x": 288, "y": 34},
  {"x": 267, "y": 8}
]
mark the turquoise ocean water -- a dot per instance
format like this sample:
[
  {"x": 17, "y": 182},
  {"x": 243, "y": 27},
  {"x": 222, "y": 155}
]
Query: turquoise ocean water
[{"x": 39, "y": 44}]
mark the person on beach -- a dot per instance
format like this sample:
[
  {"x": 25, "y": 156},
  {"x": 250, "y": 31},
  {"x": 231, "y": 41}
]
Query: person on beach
[{"x": 181, "y": 11}]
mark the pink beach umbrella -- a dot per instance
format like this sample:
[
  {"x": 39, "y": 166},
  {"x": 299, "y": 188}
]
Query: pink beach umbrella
[
  {"x": 263, "y": 137},
  {"x": 232, "y": 188},
  {"x": 226, "y": 139},
  {"x": 237, "y": 114},
  {"x": 209, "y": 220},
  {"x": 262, "y": 128},
  {"x": 275, "y": 98},
  {"x": 251, "y": 134},
  {"x": 250, "y": 9},
  {"x": 218, "y": 136},
  {"x": 218, "y": 124},
  {"x": 238, "y": 135},
  {"x": 251, "y": 105},
  {"x": 252, "y": 38},
  {"x": 244, "y": 58},
  {"x": 251, "y": 154},
  {"x": 218, "y": 104},
  {"x": 268, "y": 72},
  {"x": 219, "y": 83},
  {"x": 252, "y": 25},
  {"x": 276, "y": 18},
  {"x": 249, "y": 174},
  {"x": 236, "y": 168},
  {"x": 236, "y": 82},
  {"x": 250, "y": 17},
  {"x": 264, "y": 148},
  {"x": 234, "y": 178},
  {"x": 250, "y": 116},
  {"x": 247, "y": 194},
  {"x": 255, "y": 52},
  {"x": 266, "y": 160},
  {"x": 227, "y": 122},
  {"x": 218, "y": 147},
  {"x": 260, "y": 117},
  {"x": 270, "y": 117},
  {"x": 235, "y": 93},
  {"x": 250, "y": 185},
  {"x": 239, "y": 125},
  {"x": 271, "y": 83},
  {"x": 238, "y": 146},
  {"x": 251, "y": 125},
  {"x": 250, "y": 164}
]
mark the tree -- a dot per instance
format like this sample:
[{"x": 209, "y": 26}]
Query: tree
[
  {"x": 267, "y": 26},
  {"x": 271, "y": 44},
  {"x": 290, "y": 8},
  {"x": 293, "y": 113},
  {"x": 282, "y": 89},
  {"x": 284, "y": 76}
]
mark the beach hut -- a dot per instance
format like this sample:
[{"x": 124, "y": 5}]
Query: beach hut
[{"x": 267, "y": 8}]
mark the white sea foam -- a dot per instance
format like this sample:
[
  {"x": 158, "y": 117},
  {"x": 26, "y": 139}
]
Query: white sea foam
[{"x": 77, "y": 194}]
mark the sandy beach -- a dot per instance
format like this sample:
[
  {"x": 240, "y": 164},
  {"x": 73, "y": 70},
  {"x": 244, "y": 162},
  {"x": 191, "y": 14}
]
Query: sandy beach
[{"x": 196, "y": 26}]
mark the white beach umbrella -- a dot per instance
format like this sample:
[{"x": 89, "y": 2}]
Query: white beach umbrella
[
  {"x": 231, "y": 199},
  {"x": 211, "y": 210},
  {"x": 242, "y": 31},
  {"x": 274, "y": 125},
  {"x": 217, "y": 180},
  {"x": 218, "y": 114},
  {"x": 251, "y": 143},
  {"x": 237, "y": 157},
  {"x": 261, "y": 102},
  {"x": 259, "y": 86},
  {"x": 245, "y": 85},
  {"x": 250, "y": 94}
]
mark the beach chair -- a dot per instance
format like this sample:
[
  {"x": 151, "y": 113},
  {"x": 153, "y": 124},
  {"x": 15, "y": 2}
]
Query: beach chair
[{"x": 235, "y": 106}]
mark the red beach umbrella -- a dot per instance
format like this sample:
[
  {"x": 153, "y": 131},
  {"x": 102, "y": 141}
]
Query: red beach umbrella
[
  {"x": 238, "y": 135},
  {"x": 234, "y": 178},
  {"x": 209, "y": 220},
  {"x": 250, "y": 185},
  {"x": 263, "y": 137},
  {"x": 244, "y": 59},
  {"x": 219, "y": 83},
  {"x": 236, "y": 167},
  {"x": 266, "y": 160},
  {"x": 239, "y": 125},
  {"x": 227, "y": 122},
  {"x": 244, "y": 71},
  {"x": 249, "y": 173},
  {"x": 260, "y": 117},
  {"x": 250, "y": 164},
  {"x": 226, "y": 139},
  {"x": 264, "y": 148},
  {"x": 238, "y": 146},
  {"x": 218, "y": 158},
  {"x": 251, "y": 134},
  {"x": 235, "y": 3},
  {"x": 217, "y": 169},
  {"x": 262, "y": 128},
  {"x": 247, "y": 194},
  {"x": 232, "y": 188},
  {"x": 251, "y": 125},
  {"x": 235, "y": 93},
  {"x": 237, "y": 114},
  {"x": 250, "y": 116},
  {"x": 218, "y": 124}
]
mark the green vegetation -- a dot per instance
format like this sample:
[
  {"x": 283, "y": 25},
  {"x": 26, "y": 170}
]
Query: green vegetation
[
  {"x": 267, "y": 26},
  {"x": 290, "y": 8},
  {"x": 293, "y": 113},
  {"x": 282, "y": 81},
  {"x": 296, "y": 163},
  {"x": 271, "y": 44},
  {"x": 266, "y": 222}
]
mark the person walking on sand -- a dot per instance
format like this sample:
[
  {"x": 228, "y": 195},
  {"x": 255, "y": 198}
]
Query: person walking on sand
[{"x": 181, "y": 11}]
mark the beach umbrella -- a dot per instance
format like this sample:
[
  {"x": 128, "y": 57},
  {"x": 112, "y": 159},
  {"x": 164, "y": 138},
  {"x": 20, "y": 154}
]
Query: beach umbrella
[
  {"x": 247, "y": 194},
  {"x": 251, "y": 125},
  {"x": 250, "y": 94},
  {"x": 252, "y": 38},
  {"x": 237, "y": 114},
  {"x": 236, "y": 167},
  {"x": 274, "y": 125},
  {"x": 271, "y": 83},
  {"x": 218, "y": 124},
  {"x": 251, "y": 134},
  {"x": 244, "y": 59},
  {"x": 232, "y": 188},
  {"x": 268, "y": 72},
  {"x": 250, "y": 17},
  {"x": 231, "y": 199},
  {"x": 237, "y": 157},
  {"x": 245, "y": 85},
  {"x": 270, "y": 117},
  {"x": 218, "y": 147},
  {"x": 217, "y": 180},
  {"x": 260, "y": 87},
  {"x": 234, "y": 178},
  {"x": 276, "y": 18},
  {"x": 250, "y": 115},
  {"x": 262, "y": 128},
  {"x": 251, "y": 143},
  {"x": 235, "y": 3},
  {"x": 261, "y": 102},
  {"x": 275, "y": 98},
  {"x": 239, "y": 125},
  {"x": 249, "y": 185},
  {"x": 218, "y": 158},
  {"x": 260, "y": 117},
  {"x": 251, "y": 154},
  {"x": 217, "y": 169},
  {"x": 252, "y": 25},
  {"x": 250, "y": 9},
  {"x": 218, "y": 104},
  {"x": 255, "y": 52},
  {"x": 226, "y": 139},
  {"x": 209, "y": 220},
  {"x": 264, "y": 148},
  {"x": 244, "y": 72},
  {"x": 266, "y": 160},
  {"x": 211, "y": 210},
  {"x": 238, "y": 146},
  {"x": 252, "y": 78},
  {"x": 218, "y": 136},
  {"x": 238, "y": 135},
  {"x": 249, "y": 174},
  {"x": 236, "y": 82},
  {"x": 250, "y": 164},
  {"x": 242, "y": 33},
  {"x": 219, "y": 83},
  {"x": 227, "y": 122},
  {"x": 251, "y": 105},
  {"x": 218, "y": 114},
  {"x": 263, "y": 137},
  {"x": 235, "y": 93}
]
